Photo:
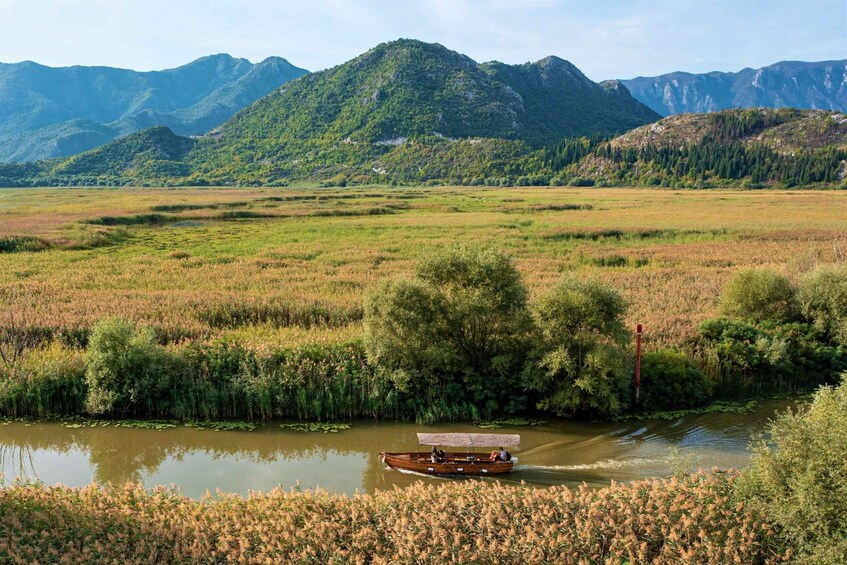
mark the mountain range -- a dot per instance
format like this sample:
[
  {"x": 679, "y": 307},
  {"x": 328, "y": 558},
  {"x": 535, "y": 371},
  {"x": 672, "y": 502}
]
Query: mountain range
[
  {"x": 54, "y": 112},
  {"x": 794, "y": 84},
  {"x": 409, "y": 112},
  {"x": 419, "y": 110}
]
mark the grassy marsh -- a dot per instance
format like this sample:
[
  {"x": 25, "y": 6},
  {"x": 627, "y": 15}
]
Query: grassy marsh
[{"x": 293, "y": 264}]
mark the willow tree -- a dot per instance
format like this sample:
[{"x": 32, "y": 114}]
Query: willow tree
[
  {"x": 459, "y": 330},
  {"x": 581, "y": 365}
]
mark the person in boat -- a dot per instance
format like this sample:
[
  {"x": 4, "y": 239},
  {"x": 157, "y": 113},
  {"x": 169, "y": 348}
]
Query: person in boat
[
  {"x": 503, "y": 456},
  {"x": 494, "y": 455},
  {"x": 434, "y": 455},
  {"x": 442, "y": 457}
]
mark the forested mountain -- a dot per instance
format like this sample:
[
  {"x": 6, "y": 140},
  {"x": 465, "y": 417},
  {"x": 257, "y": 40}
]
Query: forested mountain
[
  {"x": 53, "y": 112},
  {"x": 411, "y": 89},
  {"x": 793, "y": 84},
  {"x": 747, "y": 147},
  {"x": 413, "y": 107}
]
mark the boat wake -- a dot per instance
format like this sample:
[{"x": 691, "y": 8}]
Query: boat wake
[
  {"x": 417, "y": 474},
  {"x": 607, "y": 464}
]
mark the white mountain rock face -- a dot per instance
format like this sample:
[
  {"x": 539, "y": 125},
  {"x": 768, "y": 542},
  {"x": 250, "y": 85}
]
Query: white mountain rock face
[{"x": 821, "y": 86}]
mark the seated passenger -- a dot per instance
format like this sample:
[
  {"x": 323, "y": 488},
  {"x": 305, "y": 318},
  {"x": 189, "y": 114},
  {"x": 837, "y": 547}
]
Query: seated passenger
[
  {"x": 493, "y": 456},
  {"x": 442, "y": 457},
  {"x": 504, "y": 456},
  {"x": 434, "y": 455}
]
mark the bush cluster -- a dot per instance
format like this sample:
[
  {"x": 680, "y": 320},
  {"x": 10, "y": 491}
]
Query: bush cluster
[
  {"x": 777, "y": 335},
  {"x": 672, "y": 380},
  {"x": 463, "y": 326},
  {"x": 798, "y": 477},
  {"x": 124, "y": 373}
]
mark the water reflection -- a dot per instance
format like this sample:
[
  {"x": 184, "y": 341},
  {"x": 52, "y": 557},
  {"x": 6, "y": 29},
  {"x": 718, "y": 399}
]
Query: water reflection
[{"x": 200, "y": 461}]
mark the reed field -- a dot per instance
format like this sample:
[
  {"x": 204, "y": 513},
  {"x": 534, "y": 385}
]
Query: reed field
[
  {"x": 291, "y": 266},
  {"x": 695, "y": 519}
]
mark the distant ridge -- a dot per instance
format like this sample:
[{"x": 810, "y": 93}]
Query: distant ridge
[
  {"x": 54, "y": 112},
  {"x": 748, "y": 147},
  {"x": 818, "y": 85}
]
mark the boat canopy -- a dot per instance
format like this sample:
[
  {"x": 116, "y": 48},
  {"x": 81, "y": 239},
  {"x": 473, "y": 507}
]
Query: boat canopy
[{"x": 470, "y": 440}]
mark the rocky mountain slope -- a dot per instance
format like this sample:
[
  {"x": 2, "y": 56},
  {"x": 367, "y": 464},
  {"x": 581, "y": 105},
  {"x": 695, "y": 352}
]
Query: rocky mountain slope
[
  {"x": 821, "y": 85},
  {"x": 749, "y": 147},
  {"x": 52, "y": 112}
]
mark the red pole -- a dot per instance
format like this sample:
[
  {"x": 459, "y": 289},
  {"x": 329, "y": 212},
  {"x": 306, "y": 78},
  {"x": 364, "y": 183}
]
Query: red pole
[{"x": 637, "y": 363}]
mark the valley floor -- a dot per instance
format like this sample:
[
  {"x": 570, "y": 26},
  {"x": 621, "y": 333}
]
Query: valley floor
[{"x": 292, "y": 265}]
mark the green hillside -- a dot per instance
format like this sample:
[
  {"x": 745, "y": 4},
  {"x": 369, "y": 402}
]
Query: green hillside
[
  {"x": 375, "y": 117},
  {"x": 405, "y": 111},
  {"x": 155, "y": 155},
  {"x": 411, "y": 89}
]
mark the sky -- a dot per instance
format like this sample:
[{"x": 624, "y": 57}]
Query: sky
[{"x": 604, "y": 38}]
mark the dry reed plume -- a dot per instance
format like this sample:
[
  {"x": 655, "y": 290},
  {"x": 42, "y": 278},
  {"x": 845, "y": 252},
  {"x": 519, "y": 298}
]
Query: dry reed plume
[{"x": 688, "y": 520}]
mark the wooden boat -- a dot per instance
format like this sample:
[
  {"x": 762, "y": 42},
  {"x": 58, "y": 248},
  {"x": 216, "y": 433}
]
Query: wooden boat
[{"x": 464, "y": 462}]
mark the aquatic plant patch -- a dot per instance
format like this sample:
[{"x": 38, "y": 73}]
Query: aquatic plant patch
[
  {"x": 222, "y": 426},
  {"x": 509, "y": 423},
  {"x": 728, "y": 407},
  {"x": 318, "y": 427}
]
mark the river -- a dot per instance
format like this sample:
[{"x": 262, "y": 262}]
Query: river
[{"x": 204, "y": 461}]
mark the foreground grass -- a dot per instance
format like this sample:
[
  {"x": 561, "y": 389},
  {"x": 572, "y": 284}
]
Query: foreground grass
[
  {"x": 689, "y": 520},
  {"x": 292, "y": 265}
]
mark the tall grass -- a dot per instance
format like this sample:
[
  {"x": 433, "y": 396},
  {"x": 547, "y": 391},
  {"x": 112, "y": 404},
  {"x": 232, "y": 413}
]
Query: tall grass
[
  {"x": 216, "y": 380},
  {"x": 312, "y": 382},
  {"x": 178, "y": 276},
  {"x": 691, "y": 520},
  {"x": 50, "y": 381}
]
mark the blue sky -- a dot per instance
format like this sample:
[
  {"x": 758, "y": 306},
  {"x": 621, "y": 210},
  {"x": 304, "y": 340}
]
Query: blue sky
[{"x": 606, "y": 39}]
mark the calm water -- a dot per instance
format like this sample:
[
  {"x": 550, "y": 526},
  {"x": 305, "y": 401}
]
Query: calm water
[{"x": 198, "y": 461}]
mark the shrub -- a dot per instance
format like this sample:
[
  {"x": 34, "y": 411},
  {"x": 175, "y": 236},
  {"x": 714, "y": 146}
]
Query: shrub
[
  {"x": 462, "y": 319},
  {"x": 581, "y": 181},
  {"x": 823, "y": 299},
  {"x": 580, "y": 367},
  {"x": 757, "y": 295},
  {"x": 768, "y": 356},
  {"x": 22, "y": 243},
  {"x": 126, "y": 369},
  {"x": 670, "y": 379},
  {"x": 799, "y": 477}
]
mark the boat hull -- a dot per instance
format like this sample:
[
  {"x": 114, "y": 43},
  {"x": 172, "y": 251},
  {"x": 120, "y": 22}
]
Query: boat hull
[{"x": 456, "y": 464}]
